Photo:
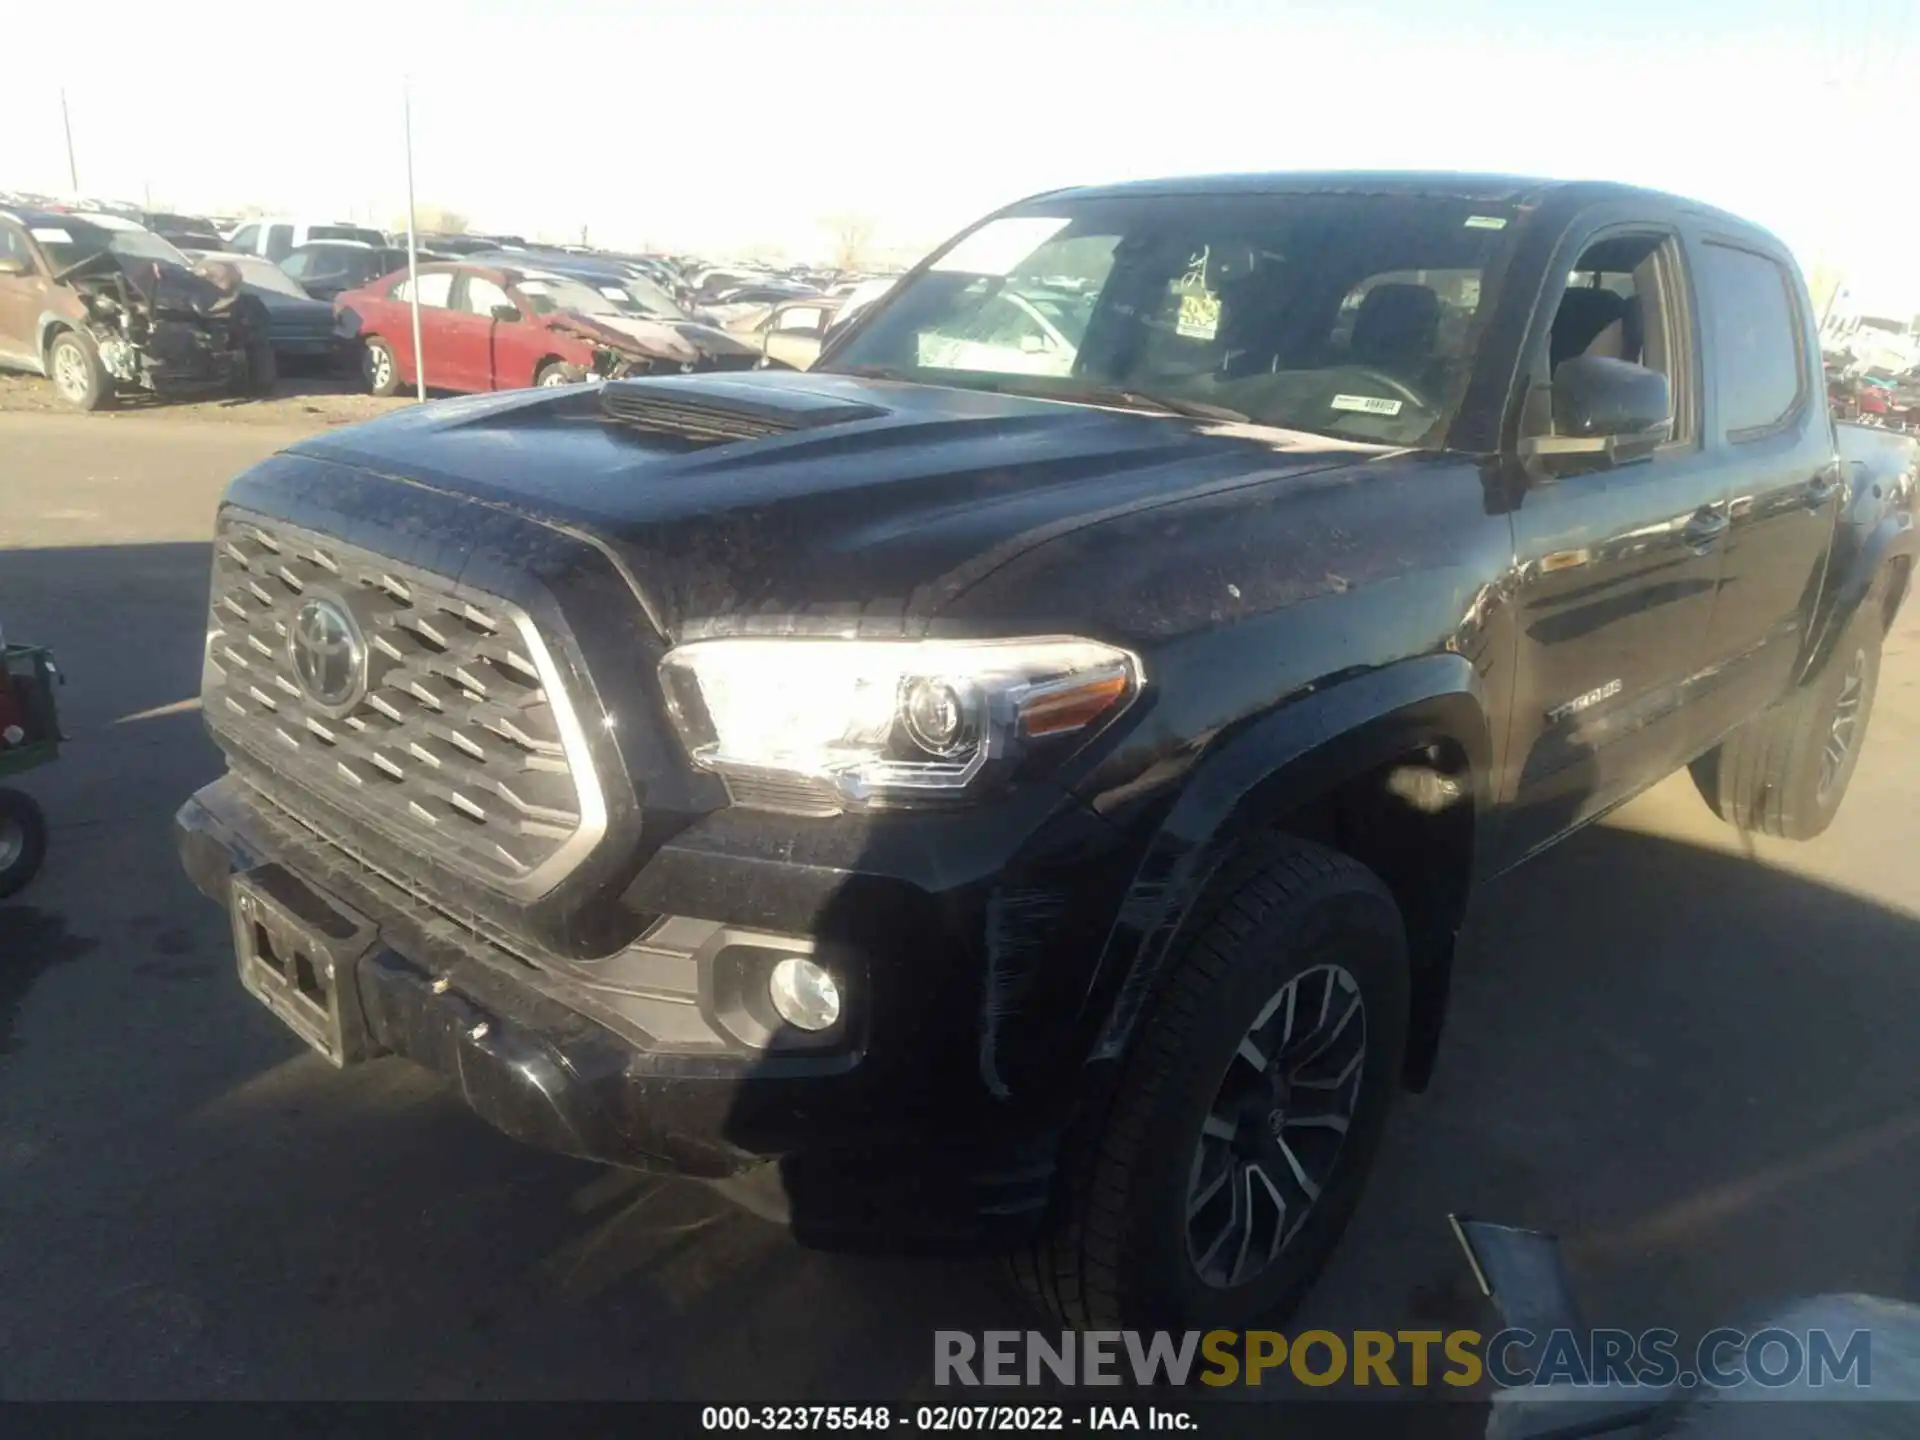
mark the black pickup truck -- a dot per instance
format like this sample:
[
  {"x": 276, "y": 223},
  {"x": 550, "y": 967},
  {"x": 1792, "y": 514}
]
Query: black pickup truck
[{"x": 1019, "y": 783}]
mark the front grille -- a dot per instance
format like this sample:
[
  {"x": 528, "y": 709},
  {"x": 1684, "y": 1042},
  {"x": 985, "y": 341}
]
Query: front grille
[{"x": 463, "y": 745}]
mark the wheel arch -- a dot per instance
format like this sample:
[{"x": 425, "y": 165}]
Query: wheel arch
[
  {"x": 50, "y": 327},
  {"x": 1391, "y": 767},
  {"x": 1881, "y": 561}
]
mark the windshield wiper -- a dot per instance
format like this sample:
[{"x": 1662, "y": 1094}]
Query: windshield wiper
[{"x": 1144, "y": 400}]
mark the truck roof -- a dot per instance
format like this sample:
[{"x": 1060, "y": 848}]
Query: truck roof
[{"x": 1507, "y": 189}]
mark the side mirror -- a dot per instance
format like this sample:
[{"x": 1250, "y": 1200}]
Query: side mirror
[
  {"x": 13, "y": 265},
  {"x": 505, "y": 314},
  {"x": 1610, "y": 408}
]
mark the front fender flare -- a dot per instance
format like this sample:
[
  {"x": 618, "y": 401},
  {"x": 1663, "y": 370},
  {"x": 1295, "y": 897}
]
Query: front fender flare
[{"x": 1281, "y": 761}]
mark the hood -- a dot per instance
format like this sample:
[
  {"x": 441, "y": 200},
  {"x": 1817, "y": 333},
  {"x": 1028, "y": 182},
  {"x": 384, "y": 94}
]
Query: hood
[
  {"x": 165, "y": 289},
  {"x": 801, "y": 499}
]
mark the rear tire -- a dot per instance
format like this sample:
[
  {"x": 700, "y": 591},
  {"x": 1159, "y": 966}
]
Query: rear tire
[
  {"x": 73, "y": 364},
  {"x": 260, "y": 369},
  {"x": 23, "y": 841},
  {"x": 378, "y": 367},
  {"x": 1161, "y": 1220},
  {"x": 1786, "y": 771}
]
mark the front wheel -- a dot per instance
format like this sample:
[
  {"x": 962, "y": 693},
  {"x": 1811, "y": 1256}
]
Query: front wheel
[
  {"x": 23, "y": 841},
  {"x": 1786, "y": 771},
  {"x": 259, "y": 369},
  {"x": 378, "y": 367},
  {"x": 73, "y": 364},
  {"x": 1247, "y": 1114},
  {"x": 559, "y": 372}
]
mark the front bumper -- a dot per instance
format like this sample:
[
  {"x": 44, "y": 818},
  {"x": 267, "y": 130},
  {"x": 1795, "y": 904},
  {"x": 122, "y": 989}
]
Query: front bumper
[{"x": 876, "y": 1147}]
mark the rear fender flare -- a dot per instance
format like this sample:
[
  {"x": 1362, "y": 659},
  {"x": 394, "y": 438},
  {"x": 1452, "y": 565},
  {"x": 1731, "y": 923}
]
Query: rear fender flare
[
  {"x": 1861, "y": 568},
  {"x": 1279, "y": 763}
]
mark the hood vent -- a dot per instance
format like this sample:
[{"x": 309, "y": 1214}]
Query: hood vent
[{"x": 714, "y": 411}]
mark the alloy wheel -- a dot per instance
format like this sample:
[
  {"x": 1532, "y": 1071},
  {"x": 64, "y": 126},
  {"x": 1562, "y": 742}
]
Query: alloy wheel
[
  {"x": 70, "y": 373},
  {"x": 13, "y": 843},
  {"x": 1274, "y": 1131},
  {"x": 1844, "y": 729}
]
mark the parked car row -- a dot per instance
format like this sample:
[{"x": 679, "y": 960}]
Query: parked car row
[{"x": 496, "y": 311}]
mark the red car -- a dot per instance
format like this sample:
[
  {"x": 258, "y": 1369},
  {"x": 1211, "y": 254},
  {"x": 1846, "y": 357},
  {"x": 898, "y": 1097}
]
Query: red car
[{"x": 485, "y": 328}]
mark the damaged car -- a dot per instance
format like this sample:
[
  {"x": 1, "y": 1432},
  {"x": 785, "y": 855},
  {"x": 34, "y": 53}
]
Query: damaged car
[
  {"x": 488, "y": 328},
  {"x": 105, "y": 308}
]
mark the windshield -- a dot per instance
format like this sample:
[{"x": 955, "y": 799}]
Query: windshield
[
  {"x": 548, "y": 293},
  {"x": 1347, "y": 315},
  {"x": 70, "y": 242},
  {"x": 651, "y": 299}
]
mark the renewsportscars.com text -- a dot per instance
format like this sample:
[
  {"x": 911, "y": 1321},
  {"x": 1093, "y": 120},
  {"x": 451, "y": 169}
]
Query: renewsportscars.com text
[{"x": 1415, "y": 1359}]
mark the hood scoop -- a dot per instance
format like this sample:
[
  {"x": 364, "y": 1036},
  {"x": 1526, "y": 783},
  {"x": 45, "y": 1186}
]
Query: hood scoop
[{"x": 709, "y": 410}]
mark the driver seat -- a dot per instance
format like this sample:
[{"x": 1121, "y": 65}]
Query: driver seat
[{"x": 1396, "y": 329}]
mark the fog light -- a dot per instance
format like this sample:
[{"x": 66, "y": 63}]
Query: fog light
[{"x": 804, "y": 994}]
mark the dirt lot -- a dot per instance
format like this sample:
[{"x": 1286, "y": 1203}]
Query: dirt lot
[
  {"x": 1690, "y": 1056},
  {"x": 301, "y": 400}
]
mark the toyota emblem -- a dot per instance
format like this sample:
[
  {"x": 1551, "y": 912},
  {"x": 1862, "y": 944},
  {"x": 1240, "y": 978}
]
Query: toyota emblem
[{"x": 328, "y": 654}]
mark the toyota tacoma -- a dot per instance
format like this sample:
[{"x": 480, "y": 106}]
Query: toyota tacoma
[{"x": 1019, "y": 786}]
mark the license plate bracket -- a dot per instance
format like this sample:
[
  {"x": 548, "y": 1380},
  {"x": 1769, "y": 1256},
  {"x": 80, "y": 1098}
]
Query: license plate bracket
[{"x": 298, "y": 952}]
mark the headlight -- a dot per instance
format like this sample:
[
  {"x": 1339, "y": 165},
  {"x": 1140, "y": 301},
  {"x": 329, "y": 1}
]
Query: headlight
[{"x": 887, "y": 720}]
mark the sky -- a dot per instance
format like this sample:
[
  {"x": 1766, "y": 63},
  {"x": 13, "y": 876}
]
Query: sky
[{"x": 736, "y": 125}]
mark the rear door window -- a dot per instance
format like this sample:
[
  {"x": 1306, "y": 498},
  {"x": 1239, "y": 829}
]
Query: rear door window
[{"x": 1754, "y": 313}]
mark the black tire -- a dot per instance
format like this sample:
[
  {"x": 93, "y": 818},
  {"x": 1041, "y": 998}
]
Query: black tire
[
  {"x": 261, "y": 368},
  {"x": 1118, "y": 1252},
  {"x": 378, "y": 367},
  {"x": 1774, "y": 774},
  {"x": 559, "y": 372},
  {"x": 73, "y": 364},
  {"x": 23, "y": 841}
]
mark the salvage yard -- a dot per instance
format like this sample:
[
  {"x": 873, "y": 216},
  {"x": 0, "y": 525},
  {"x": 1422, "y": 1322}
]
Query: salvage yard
[{"x": 1688, "y": 1055}]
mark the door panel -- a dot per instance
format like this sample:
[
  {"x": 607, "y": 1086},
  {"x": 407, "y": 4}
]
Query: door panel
[
  {"x": 1615, "y": 579},
  {"x": 22, "y": 298},
  {"x": 1616, "y": 567},
  {"x": 1771, "y": 431}
]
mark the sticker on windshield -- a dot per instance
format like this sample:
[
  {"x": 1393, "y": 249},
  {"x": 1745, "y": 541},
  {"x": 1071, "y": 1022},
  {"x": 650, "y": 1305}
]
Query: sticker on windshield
[
  {"x": 1366, "y": 404},
  {"x": 1486, "y": 222},
  {"x": 999, "y": 245},
  {"x": 47, "y": 235}
]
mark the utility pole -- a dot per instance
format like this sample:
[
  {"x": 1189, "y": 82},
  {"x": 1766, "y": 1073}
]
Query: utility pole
[
  {"x": 413, "y": 252},
  {"x": 73, "y": 170}
]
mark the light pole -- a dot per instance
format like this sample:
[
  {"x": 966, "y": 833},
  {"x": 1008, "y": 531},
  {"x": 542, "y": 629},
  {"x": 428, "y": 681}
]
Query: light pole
[
  {"x": 73, "y": 170},
  {"x": 413, "y": 253}
]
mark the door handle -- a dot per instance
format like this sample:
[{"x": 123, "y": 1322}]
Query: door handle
[
  {"x": 1707, "y": 528},
  {"x": 1822, "y": 487}
]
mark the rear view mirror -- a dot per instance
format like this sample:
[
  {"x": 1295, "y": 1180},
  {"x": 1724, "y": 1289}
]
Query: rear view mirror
[
  {"x": 1610, "y": 408},
  {"x": 12, "y": 265},
  {"x": 505, "y": 313}
]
